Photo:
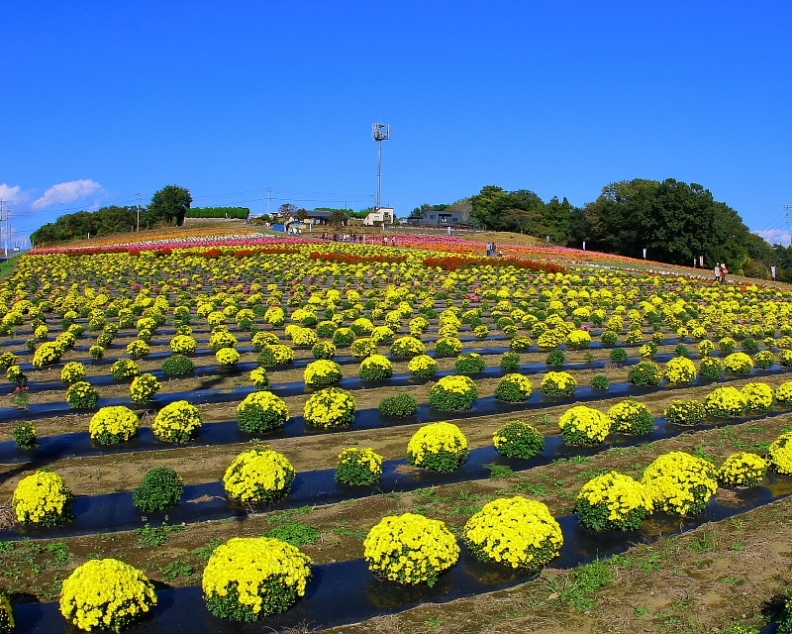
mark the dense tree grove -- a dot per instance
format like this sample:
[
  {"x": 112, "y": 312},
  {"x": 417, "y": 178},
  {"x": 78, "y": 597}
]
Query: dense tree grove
[{"x": 102, "y": 222}]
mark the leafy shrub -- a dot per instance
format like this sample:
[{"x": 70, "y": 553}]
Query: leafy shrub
[
  {"x": 113, "y": 425},
  {"x": 248, "y": 578},
  {"x": 613, "y": 501},
  {"x": 261, "y": 412},
  {"x": 438, "y": 447},
  {"x": 764, "y": 360},
  {"x": 645, "y": 374},
  {"x": 518, "y": 440},
  {"x": 609, "y": 338},
  {"x": 517, "y": 532},
  {"x": 358, "y": 467},
  {"x": 514, "y": 388},
  {"x": 25, "y": 435},
  {"x": 618, "y": 355},
  {"x": 259, "y": 476},
  {"x": 264, "y": 338},
  {"x": 600, "y": 382},
  {"x": 343, "y": 337},
  {"x": 42, "y": 499},
  {"x": 510, "y": 362},
  {"x": 178, "y": 365},
  {"x": 682, "y": 351},
  {"x": 556, "y": 358},
  {"x": 106, "y": 593},
  {"x": 680, "y": 483},
  {"x": 137, "y": 349},
  {"x": 160, "y": 489},
  {"x": 177, "y": 422},
  {"x": 399, "y": 406},
  {"x": 428, "y": 543},
  {"x": 711, "y": 368},
  {"x": 453, "y": 393},
  {"x": 258, "y": 376},
  {"x": 520, "y": 343}
]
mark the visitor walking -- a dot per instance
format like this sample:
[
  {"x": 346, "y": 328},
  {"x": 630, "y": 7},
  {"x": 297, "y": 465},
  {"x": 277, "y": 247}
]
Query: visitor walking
[
  {"x": 724, "y": 272},
  {"x": 717, "y": 273},
  {"x": 773, "y": 271}
]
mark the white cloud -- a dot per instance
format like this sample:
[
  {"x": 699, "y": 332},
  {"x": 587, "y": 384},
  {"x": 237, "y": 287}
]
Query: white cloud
[
  {"x": 12, "y": 194},
  {"x": 776, "y": 236},
  {"x": 66, "y": 193}
]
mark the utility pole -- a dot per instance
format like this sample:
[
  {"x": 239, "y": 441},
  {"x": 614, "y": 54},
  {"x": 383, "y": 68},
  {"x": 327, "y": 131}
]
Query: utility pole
[
  {"x": 789, "y": 220},
  {"x": 2, "y": 217},
  {"x": 138, "y": 214},
  {"x": 8, "y": 230},
  {"x": 269, "y": 196}
]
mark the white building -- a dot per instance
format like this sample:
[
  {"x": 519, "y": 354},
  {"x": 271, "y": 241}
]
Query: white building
[{"x": 383, "y": 215}]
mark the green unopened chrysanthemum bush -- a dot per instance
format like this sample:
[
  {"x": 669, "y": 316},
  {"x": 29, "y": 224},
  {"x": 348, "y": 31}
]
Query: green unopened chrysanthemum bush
[
  {"x": 410, "y": 549},
  {"x": 248, "y": 578},
  {"x": 438, "y": 447},
  {"x": 453, "y": 393},
  {"x": 517, "y": 439},
  {"x": 558, "y": 384},
  {"x": 177, "y": 422},
  {"x": 631, "y": 417},
  {"x": 359, "y": 466},
  {"x": 514, "y": 388},
  {"x": 262, "y": 412},
  {"x": 516, "y": 532},
  {"x": 743, "y": 469},
  {"x": 331, "y": 407},
  {"x": 680, "y": 483},
  {"x": 113, "y": 425},
  {"x": 581, "y": 425},
  {"x": 322, "y": 373},
  {"x": 613, "y": 501},
  {"x": 106, "y": 594},
  {"x": 259, "y": 476},
  {"x": 42, "y": 499}
]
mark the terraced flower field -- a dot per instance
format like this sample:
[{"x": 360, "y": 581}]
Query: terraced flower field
[{"x": 234, "y": 434}]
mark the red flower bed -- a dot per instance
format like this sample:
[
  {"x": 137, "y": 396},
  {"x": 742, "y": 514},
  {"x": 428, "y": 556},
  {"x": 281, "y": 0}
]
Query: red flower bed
[
  {"x": 457, "y": 262},
  {"x": 350, "y": 258}
]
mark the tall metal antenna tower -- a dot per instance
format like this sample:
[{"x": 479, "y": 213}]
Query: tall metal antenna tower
[
  {"x": 379, "y": 132},
  {"x": 789, "y": 220}
]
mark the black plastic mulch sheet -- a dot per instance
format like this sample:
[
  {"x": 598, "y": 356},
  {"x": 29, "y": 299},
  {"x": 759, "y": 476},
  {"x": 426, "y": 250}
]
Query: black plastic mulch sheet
[
  {"x": 347, "y": 592},
  {"x": 114, "y": 512}
]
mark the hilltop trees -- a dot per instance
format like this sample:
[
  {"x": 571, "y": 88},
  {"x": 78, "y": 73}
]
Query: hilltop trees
[{"x": 168, "y": 205}]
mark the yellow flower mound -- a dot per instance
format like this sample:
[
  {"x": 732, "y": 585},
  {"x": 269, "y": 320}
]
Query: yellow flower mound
[
  {"x": 457, "y": 393},
  {"x": 227, "y": 356},
  {"x": 113, "y": 425},
  {"x": 330, "y": 407},
  {"x": 438, "y": 447},
  {"x": 783, "y": 393},
  {"x": 559, "y": 384},
  {"x": 183, "y": 344},
  {"x": 680, "y": 371},
  {"x": 410, "y": 549},
  {"x": 177, "y": 422},
  {"x": 738, "y": 363},
  {"x": 581, "y": 425},
  {"x": 680, "y": 483},
  {"x": 517, "y": 532},
  {"x": 321, "y": 373},
  {"x": 259, "y": 475},
  {"x": 106, "y": 593},
  {"x": 41, "y": 498},
  {"x": 251, "y": 577},
  {"x": 743, "y": 469},
  {"x": 613, "y": 500},
  {"x": 579, "y": 339},
  {"x": 781, "y": 454},
  {"x": 758, "y": 396},
  {"x": 725, "y": 402},
  {"x": 423, "y": 366},
  {"x": 359, "y": 466},
  {"x": 46, "y": 354}
]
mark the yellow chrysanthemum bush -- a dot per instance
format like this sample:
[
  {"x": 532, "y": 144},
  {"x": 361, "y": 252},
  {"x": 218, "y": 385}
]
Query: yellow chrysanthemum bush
[
  {"x": 410, "y": 549},
  {"x": 322, "y": 373},
  {"x": 259, "y": 378},
  {"x": 81, "y": 395},
  {"x": 680, "y": 371},
  {"x": 783, "y": 393},
  {"x": 183, "y": 344},
  {"x": 405, "y": 347},
  {"x": 680, "y": 483},
  {"x": 453, "y": 393},
  {"x": 46, "y": 354},
  {"x": 259, "y": 476},
  {"x": 743, "y": 469},
  {"x": 725, "y": 402},
  {"x": 222, "y": 339},
  {"x": 738, "y": 363},
  {"x": 581, "y": 425},
  {"x": 759, "y": 397},
  {"x": 248, "y": 578},
  {"x": 177, "y": 422},
  {"x": 517, "y": 439},
  {"x": 438, "y": 447},
  {"x": 558, "y": 384},
  {"x": 613, "y": 501},
  {"x": 780, "y": 453},
  {"x": 106, "y": 594},
  {"x": 631, "y": 417},
  {"x": 423, "y": 366},
  {"x": 514, "y": 388},
  {"x": 516, "y": 532},
  {"x": 113, "y": 425},
  {"x": 42, "y": 499},
  {"x": 72, "y": 372},
  {"x": 377, "y": 367},
  {"x": 275, "y": 355},
  {"x": 685, "y": 412},
  {"x": 262, "y": 412},
  {"x": 359, "y": 466},
  {"x": 144, "y": 387},
  {"x": 227, "y": 357},
  {"x": 6, "y": 616},
  {"x": 331, "y": 407}
]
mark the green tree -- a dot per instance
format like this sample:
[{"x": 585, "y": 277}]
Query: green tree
[{"x": 169, "y": 205}]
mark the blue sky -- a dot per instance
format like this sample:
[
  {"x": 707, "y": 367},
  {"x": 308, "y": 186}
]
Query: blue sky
[{"x": 106, "y": 99}]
